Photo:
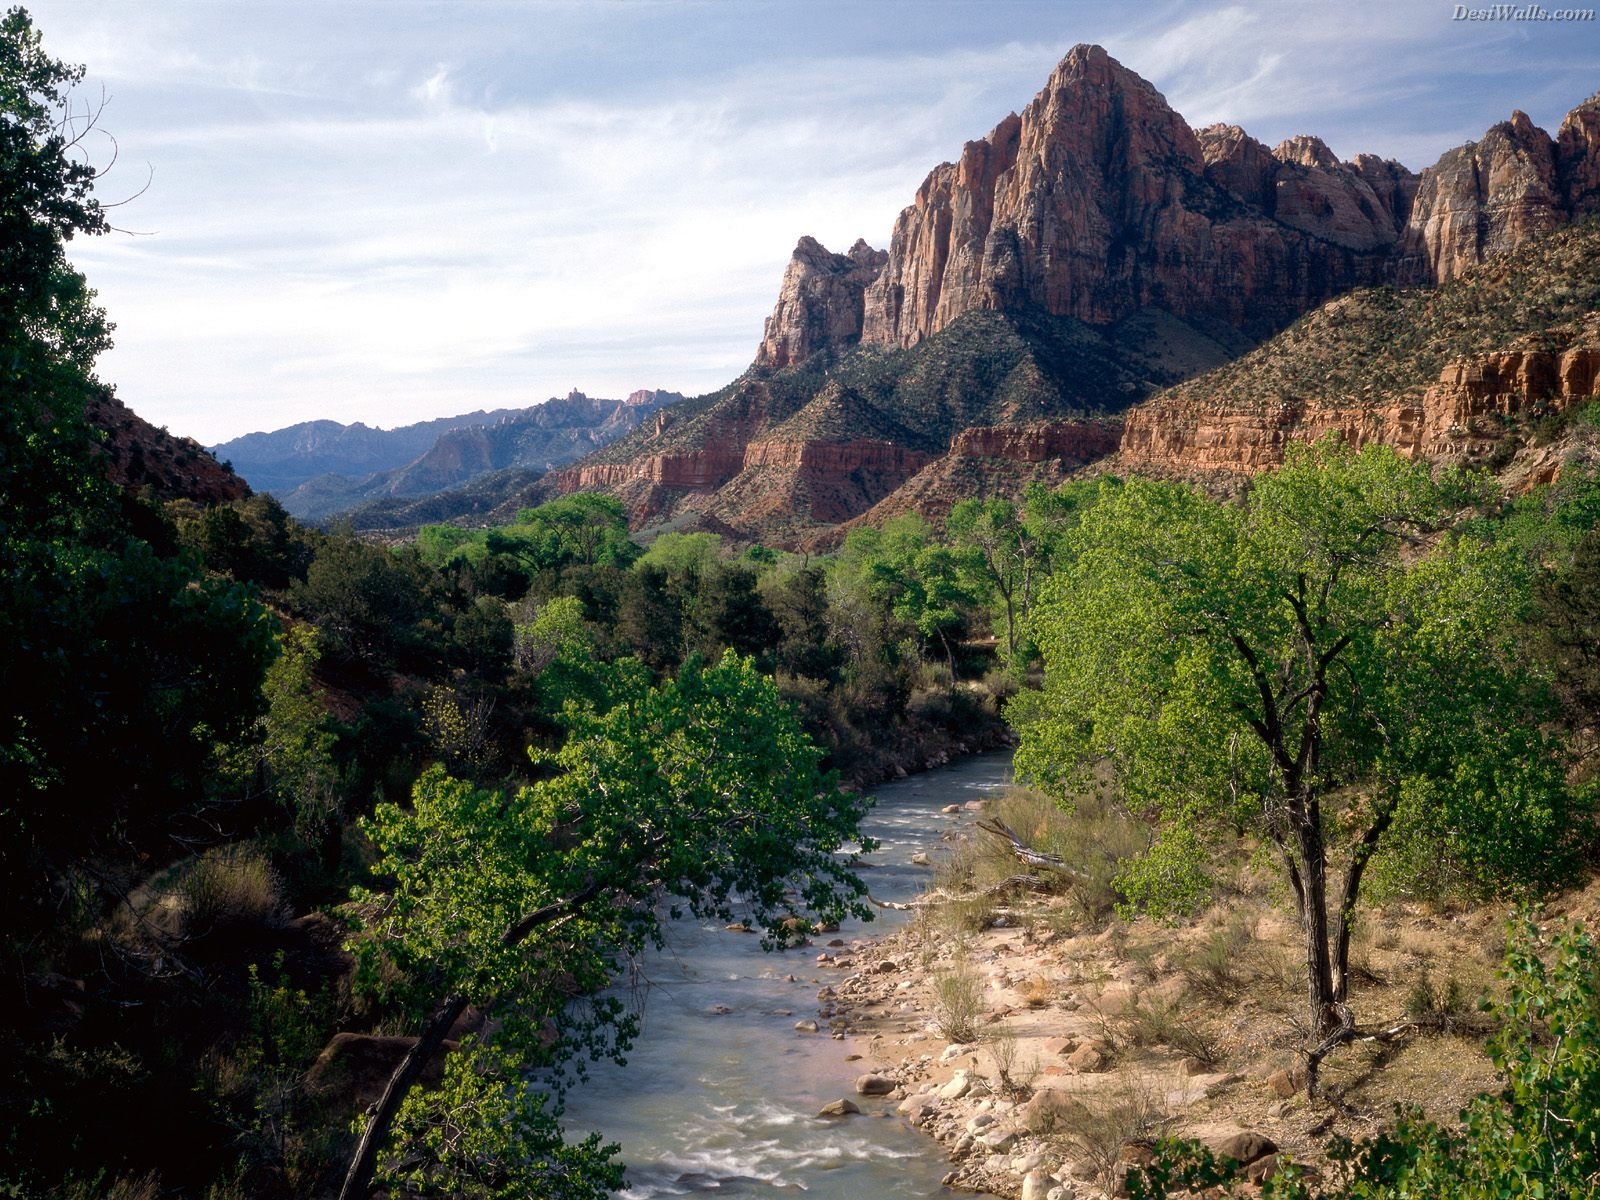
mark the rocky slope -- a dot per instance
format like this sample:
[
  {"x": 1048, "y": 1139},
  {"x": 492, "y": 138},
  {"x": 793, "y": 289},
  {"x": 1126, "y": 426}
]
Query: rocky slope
[
  {"x": 785, "y": 455},
  {"x": 140, "y": 457},
  {"x": 1086, "y": 253},
  {"x": 1474, "y": 371}
]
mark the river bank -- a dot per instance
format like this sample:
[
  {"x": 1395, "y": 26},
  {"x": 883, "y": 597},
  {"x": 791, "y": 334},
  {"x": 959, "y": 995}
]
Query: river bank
[{"x": 1045, "y": 1052}]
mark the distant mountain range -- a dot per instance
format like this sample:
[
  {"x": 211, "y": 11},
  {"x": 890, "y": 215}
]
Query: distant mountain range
[{"x": 320, "y": 469}]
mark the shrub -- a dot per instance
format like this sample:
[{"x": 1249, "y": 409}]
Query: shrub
[
  {"x": 229, "y": 888},
  {"x": 958, "y": 1001}
]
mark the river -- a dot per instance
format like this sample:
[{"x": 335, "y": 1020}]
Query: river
[{"x": 720, "y": 1092}]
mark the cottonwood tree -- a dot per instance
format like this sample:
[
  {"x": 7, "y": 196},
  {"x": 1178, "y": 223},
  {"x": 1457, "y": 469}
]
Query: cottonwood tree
[
  {"x": 700, "y": 795},
  {"x": 1322, "y": 666}
]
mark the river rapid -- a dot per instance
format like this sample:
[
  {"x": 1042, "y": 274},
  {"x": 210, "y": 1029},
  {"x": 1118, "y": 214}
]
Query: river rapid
[{"x": 720, "y": 1093}]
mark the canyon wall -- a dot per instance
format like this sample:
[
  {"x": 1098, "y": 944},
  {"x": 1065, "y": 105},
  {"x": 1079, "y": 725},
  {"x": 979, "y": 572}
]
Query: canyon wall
[{"x": 1461, "y": 415}]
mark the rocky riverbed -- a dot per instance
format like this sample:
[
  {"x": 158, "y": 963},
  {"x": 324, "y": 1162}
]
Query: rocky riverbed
[{"x": 1044, "y": 1094}]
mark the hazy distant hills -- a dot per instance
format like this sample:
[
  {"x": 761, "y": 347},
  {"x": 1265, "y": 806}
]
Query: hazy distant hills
[{"x": 319, "y": 469}]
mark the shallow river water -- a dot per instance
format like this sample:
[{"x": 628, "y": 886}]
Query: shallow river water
[{"x": 723, "y": 1103}]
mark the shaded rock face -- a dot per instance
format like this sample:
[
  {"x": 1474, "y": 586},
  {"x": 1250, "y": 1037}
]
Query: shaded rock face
[
  {"x": 1098, "y": 200},
  {"x": 820, "y": 302},
  {"x": 1458, "y": 416},
  {"x": 1483, "y": 199}
]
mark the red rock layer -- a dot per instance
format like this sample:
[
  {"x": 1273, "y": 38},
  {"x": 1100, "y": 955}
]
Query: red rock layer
[
  {"x": 1459, "y": 415},
  {"x": 1080, "y": 441},
  {"x": 137, "y": 456},
  {"x": 1098, "y": 199}
]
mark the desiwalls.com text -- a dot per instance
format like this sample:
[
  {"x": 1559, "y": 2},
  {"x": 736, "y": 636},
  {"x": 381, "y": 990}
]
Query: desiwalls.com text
[{"x": 1520, "y": 12}]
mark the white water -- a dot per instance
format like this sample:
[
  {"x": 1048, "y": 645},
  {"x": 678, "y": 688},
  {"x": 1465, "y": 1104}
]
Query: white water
[{"x": 724, "y": 1103}]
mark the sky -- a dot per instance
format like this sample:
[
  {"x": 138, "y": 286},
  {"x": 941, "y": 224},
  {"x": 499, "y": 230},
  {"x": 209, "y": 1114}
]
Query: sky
[{"x": 390, "y": 210}]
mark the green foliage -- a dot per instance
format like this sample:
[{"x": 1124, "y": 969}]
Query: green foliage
[
  {"x": 1300, "y": 667},
  {"x": 703, "y": 789},
  {"x": 486, "y": 1131},
  {"x": 683, "y": 554}
]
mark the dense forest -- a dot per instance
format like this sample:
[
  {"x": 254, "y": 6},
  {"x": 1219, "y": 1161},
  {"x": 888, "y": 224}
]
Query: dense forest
[{"x": 283, "y": 812}]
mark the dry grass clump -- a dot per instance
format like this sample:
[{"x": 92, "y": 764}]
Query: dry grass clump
[
  {"x": 229, "y": 888},
  {"x": 958, "y": 1001},
  {"x": 1218, "y": 968},
  {"x": 1094, "y": 1130},
  {"x": 1179, "y": 1025}
]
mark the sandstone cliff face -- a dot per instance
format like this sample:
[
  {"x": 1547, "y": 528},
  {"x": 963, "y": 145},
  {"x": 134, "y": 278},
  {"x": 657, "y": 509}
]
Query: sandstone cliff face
[
  {"x": 1483, "y": 199},
  {"x": 820, "y": 302},
  {"x": 1460, "y": 416},
  {"x": 1098, "y": 200},
  {"x": 1578, "y": 158}
]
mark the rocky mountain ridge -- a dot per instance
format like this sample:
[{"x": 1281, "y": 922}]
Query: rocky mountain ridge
[
  {"x": 1087, "y": 253},
  {"x": 1098, "y": 200},
  {"x": 528, "y": 441}
]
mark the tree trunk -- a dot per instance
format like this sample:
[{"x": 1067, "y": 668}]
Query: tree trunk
[{"x": 358, "y": 1180}]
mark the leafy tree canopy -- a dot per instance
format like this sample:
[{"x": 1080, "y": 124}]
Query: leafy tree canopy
[
  {"x": 1324, "y": 666},
  {"x": 701, "y": 793}
]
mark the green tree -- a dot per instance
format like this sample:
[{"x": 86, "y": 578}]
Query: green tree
[
  {"x": 702, "y": 790},
  {"x": 1319, "y": 666},
  {"x": 996, "y": 555}
]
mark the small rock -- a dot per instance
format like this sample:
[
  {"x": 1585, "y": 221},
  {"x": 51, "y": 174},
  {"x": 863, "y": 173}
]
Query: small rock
[
  {"x": 1036, "y": 1185},
  {"x": 998, "y": 1140},
  {"x": 921, "y": 859},
  {"x": 722, "y": 1010},
  {"x": 1246, "y": 1146},
  {"x": 1087, "y": 1059},
  {"x": 951, "y": 808},
  {"x": 838, "y": 1108},
  {"x": 874, "y": 1085},
  {"x": 806, "y": 1026},
  {"x": 1286, "y": 1083},
  {"x": 960, "y": 1084}
]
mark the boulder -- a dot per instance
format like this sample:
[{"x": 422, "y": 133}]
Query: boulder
[
  {"x": 874, "y": 1085},
  {"x": 838, "y": 1108},
  {"x": 1087, "y": 1059},
  {"x": 1047, "y": 1110},
  {"x": 1036, "y": 1185},
  {"x": 1284, "y": 1084},
  {"x": 1246, "y": 1146}
]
